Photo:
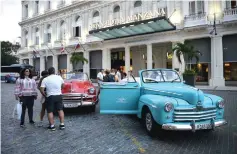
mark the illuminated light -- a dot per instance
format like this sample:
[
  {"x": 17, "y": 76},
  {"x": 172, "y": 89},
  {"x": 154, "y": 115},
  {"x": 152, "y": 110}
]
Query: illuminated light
[
  {"x": 227, "y": 64},
  {"x": 207, "y": 69},
  {"x": 143, "y": 56},
  {"x": 130, "y": 68}
]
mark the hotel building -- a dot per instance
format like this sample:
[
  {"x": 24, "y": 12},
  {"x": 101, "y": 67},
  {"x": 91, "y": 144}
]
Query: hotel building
[{"x": 131, "y": 35}]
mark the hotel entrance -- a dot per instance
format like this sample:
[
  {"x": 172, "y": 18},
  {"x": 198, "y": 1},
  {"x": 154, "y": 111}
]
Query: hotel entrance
[{"x": 118, "y": 59}]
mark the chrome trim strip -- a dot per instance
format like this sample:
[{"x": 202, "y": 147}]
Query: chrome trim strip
[
  {"x": 194, "y": 116},
  {"x": 196, "y": 119},
  {"x": 173, "y": 126},
  {"x": 187, "y": 113},
  {"x": 162, "y": 91},
  {"x": 193, "y": 108}
]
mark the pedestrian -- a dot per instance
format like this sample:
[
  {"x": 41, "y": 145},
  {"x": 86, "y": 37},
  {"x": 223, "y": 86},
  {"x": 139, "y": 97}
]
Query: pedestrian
[
  {"x": 113, "y": 77},
  {"x": 118, "y": 74},
  {"x": 44, "y": 74},
  {"x": 100, "y": 77},
  {"x": 53, "y": 84},
  {"x": 106, "y": 77},
  {"x": 26, "y": 91}
]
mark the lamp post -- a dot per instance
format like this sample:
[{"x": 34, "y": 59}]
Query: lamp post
[{"x": 214, "y": 25}]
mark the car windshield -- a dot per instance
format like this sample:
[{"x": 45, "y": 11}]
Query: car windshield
[
  {"x": 75, "y": 76},
  {"x": 155, "y": 76}
]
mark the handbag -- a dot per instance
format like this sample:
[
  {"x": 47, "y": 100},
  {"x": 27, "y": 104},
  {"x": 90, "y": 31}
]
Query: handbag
[{"x": 17, "y": 110}]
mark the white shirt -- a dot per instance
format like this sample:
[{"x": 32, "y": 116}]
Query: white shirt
[
  {"x": 118, "y": 75},
  {"x": 53, "y": 84},
  {"x": 100, "y": 76}
]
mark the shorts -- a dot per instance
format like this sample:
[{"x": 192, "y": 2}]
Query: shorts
[{"x": 54, "y": 103}]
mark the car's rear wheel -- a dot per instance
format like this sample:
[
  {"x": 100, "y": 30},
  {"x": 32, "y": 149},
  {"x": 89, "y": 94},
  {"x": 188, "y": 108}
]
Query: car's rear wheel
[{"x": 149, "y": 123}]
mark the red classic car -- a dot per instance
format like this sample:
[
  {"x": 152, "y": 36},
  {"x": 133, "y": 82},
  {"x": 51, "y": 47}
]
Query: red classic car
[{"x": 78, "y": 91}]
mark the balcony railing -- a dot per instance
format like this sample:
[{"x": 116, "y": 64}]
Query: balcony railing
[
  {"x": 195, "y": 20},
  {"x": 197, "y": 16},
  {"x": 230, "y": 14},
  {"x": 61, "y": 4},
  {"x": 230, "y": 11}
]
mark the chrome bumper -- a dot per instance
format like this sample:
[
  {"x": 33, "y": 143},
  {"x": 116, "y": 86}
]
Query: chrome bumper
[
  {"x": 77, "y": 104},
  {"x": 191, "y": 126}
]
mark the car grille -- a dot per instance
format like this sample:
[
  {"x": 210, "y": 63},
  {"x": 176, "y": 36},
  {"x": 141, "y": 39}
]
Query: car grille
[{"x": 182, "y": 115}]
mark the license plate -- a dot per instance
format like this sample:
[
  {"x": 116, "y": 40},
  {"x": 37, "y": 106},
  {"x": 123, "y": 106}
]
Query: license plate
[
  {"x": 70, "y": 105},
  {"x": 203, "y": 126}
]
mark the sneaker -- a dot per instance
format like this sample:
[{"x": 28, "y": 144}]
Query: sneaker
[
  {"x": 61, "y": 126},
  {"x": 22, "y": 125},
  {"x": 52, "y": 128},
  {"x": 32, "y": 122}
]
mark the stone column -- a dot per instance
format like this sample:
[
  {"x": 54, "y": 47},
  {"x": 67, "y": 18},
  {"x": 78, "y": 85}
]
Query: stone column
[
  {"x": 42, "y": 63},
  {"x": 69, "y": 64},
  {"x": 108, "y": 59},
  {"x": 105, "y": 59},
  {"x": 149, "y": 56},
  {"x": 55, "y": 62},
  {"x": 217, "y": 78},
  {"x": 31, "y": 60},
  {"x": 86, "y": 66},
  {"x": 127, "y": 59}
]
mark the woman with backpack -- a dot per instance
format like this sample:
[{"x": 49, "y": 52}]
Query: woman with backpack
[{"x": 26, "y": 91}]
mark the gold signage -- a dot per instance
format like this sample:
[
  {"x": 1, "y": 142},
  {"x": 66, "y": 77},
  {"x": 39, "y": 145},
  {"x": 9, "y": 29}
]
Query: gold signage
[{"x": 137, "y": 17}]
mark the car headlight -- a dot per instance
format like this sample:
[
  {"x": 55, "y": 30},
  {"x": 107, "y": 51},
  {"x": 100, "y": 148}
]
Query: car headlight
[
  {"x": 91, "y": 90},
  {"x": 220, "y": 104},
  {"x": 168, "y": 107}
]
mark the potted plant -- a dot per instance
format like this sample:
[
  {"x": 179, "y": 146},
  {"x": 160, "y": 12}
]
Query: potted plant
[
  {"x": 76, "y": 58},
  {"x": 189, "y": 53}
]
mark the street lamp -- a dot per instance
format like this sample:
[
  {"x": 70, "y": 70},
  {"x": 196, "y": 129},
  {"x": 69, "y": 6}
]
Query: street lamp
[{"x": 214, "y": 26}]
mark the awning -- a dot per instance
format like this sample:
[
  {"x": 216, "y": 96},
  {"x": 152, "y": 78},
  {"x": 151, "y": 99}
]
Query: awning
[{"x": 154, "y": 25}]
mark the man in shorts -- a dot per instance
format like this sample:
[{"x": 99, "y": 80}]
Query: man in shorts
[{"x": 54, "y": 84}]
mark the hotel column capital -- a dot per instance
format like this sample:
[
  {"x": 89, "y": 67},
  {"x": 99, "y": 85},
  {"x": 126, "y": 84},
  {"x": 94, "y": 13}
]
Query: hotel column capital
[
  {"x": 217, "y": 77},
  {"x": 127, "y": 58}
]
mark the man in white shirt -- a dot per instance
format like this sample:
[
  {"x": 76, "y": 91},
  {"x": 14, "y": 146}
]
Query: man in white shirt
[
  {"x": 100, "y": 76},
  {"x": 118, "y": 74},
  {"x": 53, "y": 84}
]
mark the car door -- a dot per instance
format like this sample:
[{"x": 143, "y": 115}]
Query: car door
[{"x": 119, "y": 98}]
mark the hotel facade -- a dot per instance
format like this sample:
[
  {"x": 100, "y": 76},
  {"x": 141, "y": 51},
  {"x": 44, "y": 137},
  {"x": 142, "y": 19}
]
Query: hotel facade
[{"x": 131, "y": 35}]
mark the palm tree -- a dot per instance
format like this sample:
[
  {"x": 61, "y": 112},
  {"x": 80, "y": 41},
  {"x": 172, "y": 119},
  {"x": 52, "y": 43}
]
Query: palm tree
[
  {"x": 77, "y": 57},
  {"x": 187, "y": 51}
]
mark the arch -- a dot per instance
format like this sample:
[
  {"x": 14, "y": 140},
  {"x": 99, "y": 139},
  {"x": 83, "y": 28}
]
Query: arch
[
  {"x": 36, "y": 29},
  {"x": 77, "y": 18},
  {"x": 116, "y": 8},
  {"x": 138, "y": 4},
  {"x": 48, "y": 26},
  {"x": 62, "y": 23},
  {"x": 96, "y": 14}
]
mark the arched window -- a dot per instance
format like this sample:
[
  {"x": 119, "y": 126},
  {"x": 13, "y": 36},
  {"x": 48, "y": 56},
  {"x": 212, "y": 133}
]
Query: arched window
[
  {"x": 62, "y": 30},
  {"x": 26, "y": 38},
  {"x": 96, "y": 14},
  {"x": 137, "y": 4},
  {"x": 48, "y": 34},
  {"x": 116, "y": 9},
  {"x": 36, "y": 36}
]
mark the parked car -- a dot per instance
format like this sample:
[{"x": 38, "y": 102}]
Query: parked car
[
  {"x": 162, "y": 100},
  {"x": 79, "y": 91},
  {"x": 11, "y": 77}
]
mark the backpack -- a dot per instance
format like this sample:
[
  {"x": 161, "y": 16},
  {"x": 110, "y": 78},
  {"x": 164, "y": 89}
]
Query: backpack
[{"x": 111, "y": 78}]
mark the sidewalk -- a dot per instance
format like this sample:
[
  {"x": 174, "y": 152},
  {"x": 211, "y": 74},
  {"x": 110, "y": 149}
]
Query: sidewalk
[{"x": 224, "y": 88}]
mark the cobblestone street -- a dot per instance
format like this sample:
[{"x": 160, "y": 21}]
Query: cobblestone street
[{"x": 89, "y": 133}]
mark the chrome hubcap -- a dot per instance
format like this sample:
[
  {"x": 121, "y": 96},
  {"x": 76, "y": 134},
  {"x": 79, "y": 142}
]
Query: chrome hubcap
[{"x": 148, "y": 121}]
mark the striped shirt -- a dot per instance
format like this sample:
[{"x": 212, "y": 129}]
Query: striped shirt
[{"x": 26, "y": 87}]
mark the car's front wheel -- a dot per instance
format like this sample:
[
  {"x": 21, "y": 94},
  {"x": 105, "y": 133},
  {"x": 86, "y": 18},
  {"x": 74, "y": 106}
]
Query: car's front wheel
[{"x": 149, "y": 123}]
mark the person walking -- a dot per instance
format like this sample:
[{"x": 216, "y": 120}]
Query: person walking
[
  {"x": 26, "y": 92},
  {"x": 44, "y": 74},
  {"x": 100, "y": 77},
  {"x": 54, "y": 84}
]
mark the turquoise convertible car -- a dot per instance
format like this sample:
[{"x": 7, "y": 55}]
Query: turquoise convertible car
[{"x": 161, "y": 99}]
